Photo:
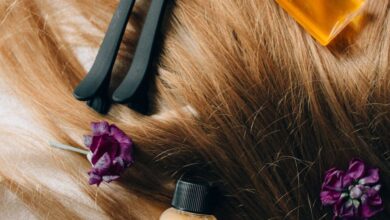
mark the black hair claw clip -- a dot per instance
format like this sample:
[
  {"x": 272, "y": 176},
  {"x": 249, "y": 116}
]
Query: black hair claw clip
[
  {"x": 133, "y": 89},
  {"x": 94, "y": 87}
]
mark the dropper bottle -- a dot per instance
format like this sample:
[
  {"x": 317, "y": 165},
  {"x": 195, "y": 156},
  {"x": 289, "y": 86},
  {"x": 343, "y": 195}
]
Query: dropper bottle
[{"x": 191, "y": 200}]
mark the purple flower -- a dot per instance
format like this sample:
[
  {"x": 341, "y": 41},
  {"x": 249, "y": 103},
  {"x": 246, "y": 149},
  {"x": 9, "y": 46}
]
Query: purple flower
[
  {"x": 354, "y": 194},
  {"x": 111, "y": 152}
]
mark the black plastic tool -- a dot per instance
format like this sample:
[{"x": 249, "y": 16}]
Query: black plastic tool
[
  {"x": 94, "y": 87},
  {"x": 133, "y": 89}
]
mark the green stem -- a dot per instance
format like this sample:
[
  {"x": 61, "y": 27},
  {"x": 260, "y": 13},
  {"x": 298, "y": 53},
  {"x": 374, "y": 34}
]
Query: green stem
[{"x": 68, "y": 148}]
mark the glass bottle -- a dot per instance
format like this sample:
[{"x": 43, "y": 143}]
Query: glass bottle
[{"x": 323, "y": 19}]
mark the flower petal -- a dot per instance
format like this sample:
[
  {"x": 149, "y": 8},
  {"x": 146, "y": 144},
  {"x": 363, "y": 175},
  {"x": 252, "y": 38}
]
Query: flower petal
[
  {"x": 105, "y": 144},
  {"x": 375, "y": 200},
  {"x": 110, "y": 178},
  {"x": 118, "y": 166},
  {"x": 102, "y": 165},
  {"x": 88, "y": 140},
  {"x": 371, "y": 177},
  {"x": 371, "y": 208},
  {"x": 329, "y": 197},
  {"x": 94, "y": 179},
  {"x": 345, "y": 208},
  {"x": 100, "y": 128},
  {"x": 119, "y": 135},
  {"x": 119, "y": 162},
  {"x": 356, "y": 169},
  {"x": 333, "y": 180},
  {"x": 126, "y": 153},
  {"x": 95, "y": 143}
]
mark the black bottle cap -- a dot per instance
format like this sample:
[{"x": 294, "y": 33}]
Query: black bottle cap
[{"x": 195, "y": 197}]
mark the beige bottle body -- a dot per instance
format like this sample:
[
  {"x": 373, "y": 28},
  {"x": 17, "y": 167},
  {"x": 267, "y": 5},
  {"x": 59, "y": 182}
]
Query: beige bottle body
[{"x": 174, "y": 214}]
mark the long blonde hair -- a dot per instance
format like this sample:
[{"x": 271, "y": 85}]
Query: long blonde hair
[{"x": 270, "y": 109}]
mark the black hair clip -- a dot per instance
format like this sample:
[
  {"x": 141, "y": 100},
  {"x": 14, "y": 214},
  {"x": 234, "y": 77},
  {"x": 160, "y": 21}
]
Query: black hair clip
[
  {"x": 94, "y": 87},
  {"x": 133, "y": 89}
]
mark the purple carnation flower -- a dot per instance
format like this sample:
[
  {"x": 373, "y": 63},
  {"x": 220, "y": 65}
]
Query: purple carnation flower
[
  {"x": 354, "y": 194},
  {"x": 111, "y": 152}
]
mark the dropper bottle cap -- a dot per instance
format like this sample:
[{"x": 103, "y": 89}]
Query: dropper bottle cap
[{"x": 194, "y": 196}]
